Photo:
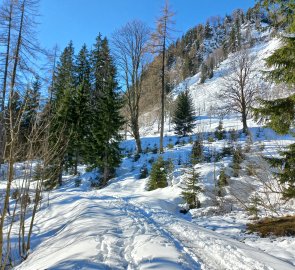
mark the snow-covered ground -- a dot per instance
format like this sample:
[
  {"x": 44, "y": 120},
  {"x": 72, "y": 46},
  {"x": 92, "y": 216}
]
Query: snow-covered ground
[{"x": 124, "y": 226}]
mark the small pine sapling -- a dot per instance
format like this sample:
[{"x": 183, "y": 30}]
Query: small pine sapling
[
  {"x": 211, "y": 140},
  {"x": 220, "y": 132},
  {"x": 158, "y": 176},
  {"x": 169, "y": 169},
  {"x": 227, "y": 149},
  {"x": 253, "y": 207},
  {"x": 237, "y": 160},
  {"x": 170, "y": 144},
  {"x": 197, "y": 152},
  {"x": 191, "y": 190},
  {"x": 223, "y": 180},
  {"x": 233, "y": 135},
  {"x": 183, "y": 117},
  {"x": 144, "y": 173}
]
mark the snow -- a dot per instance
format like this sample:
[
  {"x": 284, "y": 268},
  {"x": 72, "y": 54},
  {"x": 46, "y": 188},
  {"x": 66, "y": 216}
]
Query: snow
[
  {"x": 205, "y": 94},
  {"x": 124, "y": 226},
  {"x": 90, "y": 230}
]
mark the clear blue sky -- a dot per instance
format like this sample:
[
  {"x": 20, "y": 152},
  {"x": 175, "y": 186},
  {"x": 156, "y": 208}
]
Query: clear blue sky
[{"x": 81, "y": 20}]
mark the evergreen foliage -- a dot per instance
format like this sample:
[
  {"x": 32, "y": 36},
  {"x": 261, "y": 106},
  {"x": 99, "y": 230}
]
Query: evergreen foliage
[
  {"x": 219, "y": 131},
  {"x": 82, "y": 110},
  {"x": 237, "y": 160},
  {"x": 223, "y": 180},
  {"x": 28, "y": 121},
  {"x": 183, "y": 117},
  {"x": 286, "y": 174},
  {"x": 106, "y": 120},
  {"x": 62, "y": 108},
  {"x": 143, "y": 172},
  {"x": 279, "y": 114},
  {"x": 85, "y": 111},
  {"x": 31, "y": 105},
  {"x": 158, "y": 176},
  {"x": 192, "y": 189},
  {"x": 197, "y": 152}
]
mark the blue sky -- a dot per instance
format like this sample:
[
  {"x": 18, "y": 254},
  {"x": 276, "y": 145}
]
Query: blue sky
[{"x": 81, "y": 20}]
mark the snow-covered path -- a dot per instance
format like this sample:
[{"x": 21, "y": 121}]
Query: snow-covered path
[{"x": 89, "y": 230}]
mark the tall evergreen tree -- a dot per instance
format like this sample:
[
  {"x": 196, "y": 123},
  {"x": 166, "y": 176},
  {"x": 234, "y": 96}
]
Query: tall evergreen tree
[
  {"x": 81, "y": 108},
  {"x": 280, "y": 113},
  {"x": 183, "y": 117},
  {"x": 208, "y": 30},
  {"x": 62, "y": 114},
  {"x": 106, "y": 120}
]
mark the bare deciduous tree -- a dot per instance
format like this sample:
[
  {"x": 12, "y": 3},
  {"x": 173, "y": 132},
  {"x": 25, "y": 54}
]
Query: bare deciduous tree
[
  {"x": 20, "y": 52},
  {"x": 130, "y": 49},
  {"x": 160, "y": 41},
  {"x": 240, "y": 89}
]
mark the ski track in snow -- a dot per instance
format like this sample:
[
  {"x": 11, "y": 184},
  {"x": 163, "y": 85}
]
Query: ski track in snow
[{"x": 105, "y": 232}]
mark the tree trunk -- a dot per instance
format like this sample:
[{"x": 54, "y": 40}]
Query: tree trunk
[
  {"x": 136, "y": 136},
  {"x": 60, "y": 174},
  {"x": 5, "y": 77},
  {"x": 76, "y": 162},
  {"x": 106, "y": 174},
  {"x": 12, "y": 134},
  {"x": 161, "y": 149},
  {"x": 244, "y": 121}
]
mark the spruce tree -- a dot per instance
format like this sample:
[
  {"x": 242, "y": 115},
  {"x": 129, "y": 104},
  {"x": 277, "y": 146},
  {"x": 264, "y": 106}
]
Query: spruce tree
[
  {"x": 280, "y": 113},
  {"x": 30, "y": 111},
  {"x": 62, "y": 108},
  {"x": 106, "y": 121},
  {"x": 197, "y": 152},
  {"x": 31, "y": 100},
  {"x": 208, "y": 30},
  {"x": 219, "y": 131},
  {"x": 223, "y": 180},
  {"x": 286, "y": 174},
  {"x": 81, "y": 109},
  {"x": 192, "y": 189},
  {"x": 158, "y": 176},
  {"x": 183, "y": 117},
  {"x": 16, "y": 104}
]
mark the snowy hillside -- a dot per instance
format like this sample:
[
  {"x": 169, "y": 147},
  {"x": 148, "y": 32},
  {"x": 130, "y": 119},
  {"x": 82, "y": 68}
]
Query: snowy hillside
[
  {"x": 124, "y": 226},
  {"x": 205, "y": 95}
]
